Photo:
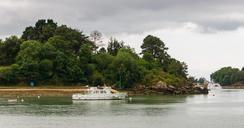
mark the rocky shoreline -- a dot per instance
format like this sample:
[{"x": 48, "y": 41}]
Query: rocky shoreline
[{"x": 163, "y": 88}]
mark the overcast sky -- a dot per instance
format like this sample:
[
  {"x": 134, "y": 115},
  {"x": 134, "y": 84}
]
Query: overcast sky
[{"x": 206, "y": 34}]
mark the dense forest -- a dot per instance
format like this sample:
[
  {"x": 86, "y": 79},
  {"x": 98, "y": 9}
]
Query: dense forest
[
  {"x": 228, "y": 76},
  {"x": 52, "y": 54}
]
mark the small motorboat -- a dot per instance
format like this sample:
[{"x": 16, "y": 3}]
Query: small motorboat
[
  {"x": 100, "y": 93},
  {"x": 214, "y": 86}
]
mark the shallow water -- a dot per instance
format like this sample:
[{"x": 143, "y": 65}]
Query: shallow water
[{"x": 219, "y": 109}]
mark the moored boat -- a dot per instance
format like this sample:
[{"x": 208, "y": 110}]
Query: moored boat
[
  {"x": 214, "y": 86},
  {"x": 99, "y": 93}
]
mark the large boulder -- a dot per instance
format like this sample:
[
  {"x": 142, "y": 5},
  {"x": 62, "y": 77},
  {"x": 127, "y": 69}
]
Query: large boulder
[
  {"x": 160, "y": 85},
  {"x": 172, "y": 87}
]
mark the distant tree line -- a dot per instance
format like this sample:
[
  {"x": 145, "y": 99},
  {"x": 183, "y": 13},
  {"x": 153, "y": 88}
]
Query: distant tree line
[
  {"x": 51, "y": 54},
  {"x": 200, "y": 80},
  {"x": 228, "y": 76}
]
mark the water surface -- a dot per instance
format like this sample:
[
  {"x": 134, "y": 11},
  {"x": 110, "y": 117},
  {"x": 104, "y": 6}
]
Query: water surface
[{"x": 219, "y": 109}]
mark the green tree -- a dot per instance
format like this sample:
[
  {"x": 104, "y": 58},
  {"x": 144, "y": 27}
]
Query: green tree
[
  {"x": 202, "y": 80},
  {"x": 67, "y": 69},
  {"x": 192, "y": 79},
  {"x": 238, "y": 77},
  {"x": 103, "y": 62},
  {"x": 61, "y": 44},
  {"x": 46, "y": 69},
  {"x": 42, "y": 31},
  {"x": 225, "y": 76},
  {"x": 114, "y": 46},
  {"x": 40, "y": 61},
  {"x": 85, "y": 54},
  {"x": 125, "y": 69},
  {"x": 74, "y": 38},
  {"x": 9, "y": 74},
  {"x": 9, "y": 50},
  {"x": 177, "y": 68},
  {"x": 28, "y": 58},
  {"x": 155, "y": 46},
  {"x": 97, "y": 79}
]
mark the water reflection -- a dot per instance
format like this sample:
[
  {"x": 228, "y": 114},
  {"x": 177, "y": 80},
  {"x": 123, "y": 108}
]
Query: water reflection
[
  {"x": 156, "y": 99},
  {"x": 224, "y": 109},
  {"x": 59, "y": 106}
]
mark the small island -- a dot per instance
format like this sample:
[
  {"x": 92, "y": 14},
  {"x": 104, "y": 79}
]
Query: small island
[
  {"x": 229, "y": 78},
  {"x": 51, "y": 59}
]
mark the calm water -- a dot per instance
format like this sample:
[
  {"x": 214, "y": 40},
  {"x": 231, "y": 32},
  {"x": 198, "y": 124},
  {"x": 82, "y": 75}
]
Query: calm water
[{"x": 224, "y": 110}]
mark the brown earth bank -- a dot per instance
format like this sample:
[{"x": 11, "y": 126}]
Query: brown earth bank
[{"x": 40, "y": 91}]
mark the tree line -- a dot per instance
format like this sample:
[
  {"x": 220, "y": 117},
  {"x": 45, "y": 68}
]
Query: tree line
[
  {"x": 48, "y": 53},
  {"x": 228, "y": 76}
]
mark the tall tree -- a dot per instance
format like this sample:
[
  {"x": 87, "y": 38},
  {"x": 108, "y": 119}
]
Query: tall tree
[
  {"x": 156, "y": 47},
  {"x": 114, "y": 46},
  {"x": 74, "y": 38},
  {"x": 42, "y": 31}
]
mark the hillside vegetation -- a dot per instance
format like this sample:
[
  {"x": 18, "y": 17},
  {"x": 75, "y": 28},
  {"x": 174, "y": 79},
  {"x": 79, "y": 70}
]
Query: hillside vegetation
[{"x": 48, "y": 53}]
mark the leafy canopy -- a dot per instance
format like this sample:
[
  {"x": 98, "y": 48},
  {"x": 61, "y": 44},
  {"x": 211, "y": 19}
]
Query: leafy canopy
[{"x": 51, "y": 54}]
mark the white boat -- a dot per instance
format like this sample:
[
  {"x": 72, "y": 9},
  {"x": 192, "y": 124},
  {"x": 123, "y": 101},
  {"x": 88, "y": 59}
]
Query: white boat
[
  {"x": 214, "y": 86},
  {"x": 99, "y": 93}
]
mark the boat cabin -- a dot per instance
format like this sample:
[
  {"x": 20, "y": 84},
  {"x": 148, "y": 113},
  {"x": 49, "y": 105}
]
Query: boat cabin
[{"x": 99, "y": 90}]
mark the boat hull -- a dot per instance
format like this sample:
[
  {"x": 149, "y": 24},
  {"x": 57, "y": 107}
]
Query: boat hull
[{"x": 99, "y": 96}]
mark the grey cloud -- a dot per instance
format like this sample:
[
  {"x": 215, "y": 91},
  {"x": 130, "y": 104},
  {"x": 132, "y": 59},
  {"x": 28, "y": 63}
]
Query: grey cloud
[{"x": 117, "y": 16}]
